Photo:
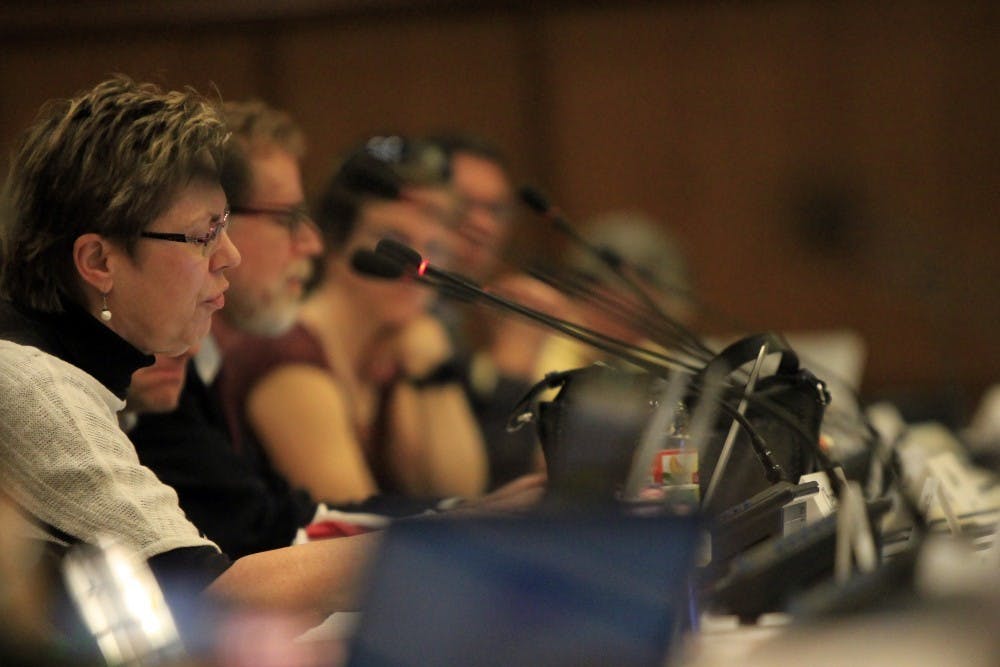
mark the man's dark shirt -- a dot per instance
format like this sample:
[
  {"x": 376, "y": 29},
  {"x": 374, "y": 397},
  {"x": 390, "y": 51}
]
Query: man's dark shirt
[{"x": 232, "y": 497}]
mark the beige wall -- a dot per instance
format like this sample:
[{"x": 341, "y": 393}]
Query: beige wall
[{"x": 722, "y": 119}]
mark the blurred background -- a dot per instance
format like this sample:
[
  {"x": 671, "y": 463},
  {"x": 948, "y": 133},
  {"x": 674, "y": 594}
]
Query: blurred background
[{"x": 824, "y": 165}]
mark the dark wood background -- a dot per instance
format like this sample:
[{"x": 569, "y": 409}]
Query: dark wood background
[{"x": 824, "y": 164}]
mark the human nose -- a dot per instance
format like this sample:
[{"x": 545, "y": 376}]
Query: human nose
[
  {"x": 225, "y": 255},
  {"x": 307, "y": 239}
]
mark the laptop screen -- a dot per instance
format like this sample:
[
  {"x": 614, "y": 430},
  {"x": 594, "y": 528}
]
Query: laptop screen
[{"x": 544, "y": 590}]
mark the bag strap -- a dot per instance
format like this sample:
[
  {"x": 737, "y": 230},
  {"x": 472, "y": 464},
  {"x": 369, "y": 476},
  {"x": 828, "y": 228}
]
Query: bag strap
[
  {"x": 525, "y": 410},
  {"x": 746, "y": 350}
]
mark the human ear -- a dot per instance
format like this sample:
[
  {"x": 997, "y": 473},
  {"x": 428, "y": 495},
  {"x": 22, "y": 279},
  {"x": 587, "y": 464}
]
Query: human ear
[{"x": 92, "y": 259}]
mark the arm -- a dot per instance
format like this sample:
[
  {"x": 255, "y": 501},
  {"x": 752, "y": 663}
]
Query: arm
[
  {"x": 225, "y": 496},
  {"x": 300, "y": 417},
  {"x": 327, "y": 575},
  {"x": 517, "y": 344},
  {"x": 436, "y": 446},
  {"x": 322, "y": 577},
  {"x": 66, "y": 463}
]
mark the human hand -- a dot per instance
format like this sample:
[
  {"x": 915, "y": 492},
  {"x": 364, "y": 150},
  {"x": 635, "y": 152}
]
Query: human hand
[
  {"x": 517, "y": 342},
  {"x": 421, "y": 346},
  {"x": 519, "y": 495}
]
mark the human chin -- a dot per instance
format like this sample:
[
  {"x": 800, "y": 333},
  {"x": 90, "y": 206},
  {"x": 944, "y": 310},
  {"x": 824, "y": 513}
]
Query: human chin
[
  {"x": 278, "y": 319},
  {"x": 183, "y": 340},
  {"x": 271, "y": 319}
]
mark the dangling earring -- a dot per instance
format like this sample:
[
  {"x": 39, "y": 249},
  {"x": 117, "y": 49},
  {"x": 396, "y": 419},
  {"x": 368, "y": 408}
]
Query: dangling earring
[{"x": 105, "y": 313}]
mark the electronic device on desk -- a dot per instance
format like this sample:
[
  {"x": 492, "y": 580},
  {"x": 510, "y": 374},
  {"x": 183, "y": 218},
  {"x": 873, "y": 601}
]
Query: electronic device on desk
[
  {"x": 755, "y": 519},
  {"x": 951, "y": 493},
  {"x": 888, "y": 586},
  {"x": 765, "y": 577},
  {"x": 595, "y": 589}
]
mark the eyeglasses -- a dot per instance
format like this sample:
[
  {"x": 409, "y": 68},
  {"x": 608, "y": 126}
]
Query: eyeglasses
[
  {"x": 206, "y": 241},
  {"x": 499, "y": 210},
  {"x": 289, "y": 217}
]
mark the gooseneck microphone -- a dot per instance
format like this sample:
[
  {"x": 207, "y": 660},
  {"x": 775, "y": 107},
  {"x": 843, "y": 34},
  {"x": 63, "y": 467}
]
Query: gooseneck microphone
[
  {"x": 374, "y": 265},
  {"x": 679, "y": 335},
  {"x": 541, "y": 205},
  {"x": 365, "y": 173},
  {"x": 394, "y": 260},
  {"x": 675, "y": 332}
]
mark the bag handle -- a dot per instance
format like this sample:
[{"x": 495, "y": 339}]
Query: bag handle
[
  {"x": 747, "y": 349},
  {"x": 524, "y": 411}
]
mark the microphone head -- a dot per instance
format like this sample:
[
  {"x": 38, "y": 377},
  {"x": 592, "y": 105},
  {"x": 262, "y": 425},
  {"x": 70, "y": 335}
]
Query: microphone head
[
  {"x": 376, "y": 265},
  {"x": 364, "y": 173},
  {"x": 534, "y": 199},
  {"x": 399, "y": 252}
]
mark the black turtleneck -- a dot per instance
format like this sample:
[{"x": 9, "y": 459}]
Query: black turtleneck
[{"x": 78, "y": 338}]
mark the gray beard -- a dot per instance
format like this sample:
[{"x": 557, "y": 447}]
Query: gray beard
[{"x": 269, "y": 321}]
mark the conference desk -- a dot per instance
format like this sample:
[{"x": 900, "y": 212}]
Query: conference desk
[
  {"x": 960, "y": 632},
  {"x": 956, "y": 632}
]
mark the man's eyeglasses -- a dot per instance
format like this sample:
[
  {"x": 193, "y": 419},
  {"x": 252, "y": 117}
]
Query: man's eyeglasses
[
  {"x": 289, "y": 217},
  {"x": 501, "y": 211},
  {"x": 206, "y": 241}
]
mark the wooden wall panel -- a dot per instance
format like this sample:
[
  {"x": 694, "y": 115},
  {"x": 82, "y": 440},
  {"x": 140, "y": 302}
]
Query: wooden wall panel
[
  {"x": 35, "y": 70},
  {"x": 349, "y": 80},
  {"x": 823, "y": 164},
  {"x": 703, "y": 108},
  {"x": 728, "y": 117}
]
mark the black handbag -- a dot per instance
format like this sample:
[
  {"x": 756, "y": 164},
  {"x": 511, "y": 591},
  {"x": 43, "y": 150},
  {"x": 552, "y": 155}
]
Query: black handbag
[{"x": 589, "y": 431}]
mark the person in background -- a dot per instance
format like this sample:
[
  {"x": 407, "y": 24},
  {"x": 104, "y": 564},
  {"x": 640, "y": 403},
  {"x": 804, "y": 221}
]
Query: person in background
[
  {"x": 115, "y": 248},
  {"x": 500, "y": 352},
  {"x": 226, "y": 486},
  {"x": 352, "y": 401},
  {"x": 651, "y": 257},
  {"x": 230, "y": 493},
  {"x": 156, "y": 389},
  {"x": 480, "y": 175}
]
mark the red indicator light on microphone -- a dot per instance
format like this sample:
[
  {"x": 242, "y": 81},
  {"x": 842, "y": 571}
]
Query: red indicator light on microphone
[{"x": 422, "y": 269}]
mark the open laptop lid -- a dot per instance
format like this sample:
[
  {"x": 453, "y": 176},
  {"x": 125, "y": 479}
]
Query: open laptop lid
[{"x": 541, "y": 590}]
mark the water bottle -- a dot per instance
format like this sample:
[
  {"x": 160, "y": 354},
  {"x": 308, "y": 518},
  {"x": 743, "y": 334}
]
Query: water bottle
[{"x": 675, "y": 467}]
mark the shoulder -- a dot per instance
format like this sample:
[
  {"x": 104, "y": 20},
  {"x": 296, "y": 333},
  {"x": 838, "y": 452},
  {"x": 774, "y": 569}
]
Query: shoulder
[
  {"x": 253, "y": 358},
  {"x": 19, "y": 358},
  {"x": 28, "y": 371},
  {"x": 298, "y": 341},
  {"x": 43, "y": 398}
]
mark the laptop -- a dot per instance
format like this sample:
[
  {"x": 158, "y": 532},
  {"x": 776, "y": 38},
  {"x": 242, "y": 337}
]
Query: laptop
[{"x": 604, "y": 589}]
